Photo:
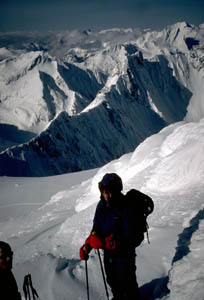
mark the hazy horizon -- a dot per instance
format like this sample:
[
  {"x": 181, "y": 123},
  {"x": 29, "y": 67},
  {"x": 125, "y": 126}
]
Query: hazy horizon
[{"x": 96, "y": 15}]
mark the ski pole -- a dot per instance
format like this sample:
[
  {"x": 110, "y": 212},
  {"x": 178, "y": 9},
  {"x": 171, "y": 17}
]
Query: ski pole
[
  {"x": 26, "y": 289},
  {"x": 103, "y": 274},
  {"x": 87, "y": 279},
  {"x": 27, "y": 286}
]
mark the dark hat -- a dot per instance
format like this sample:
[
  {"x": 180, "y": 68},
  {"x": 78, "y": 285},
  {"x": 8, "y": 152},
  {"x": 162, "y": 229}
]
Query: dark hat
[
  {"x": 6, "y": 249},
  {"x": 111, "y": 182}
]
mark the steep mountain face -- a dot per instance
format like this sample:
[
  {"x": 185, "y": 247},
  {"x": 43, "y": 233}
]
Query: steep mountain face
[
  {"x": 35, "y": 88},
  {"x": 94, "y": 104}
]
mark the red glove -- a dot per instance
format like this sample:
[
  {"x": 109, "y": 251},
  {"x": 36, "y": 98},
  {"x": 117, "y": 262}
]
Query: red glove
[
  {"x": 84, "y": 251},
  {"x": 110, "y": 243},
  {"x": 94, "y": 241}
]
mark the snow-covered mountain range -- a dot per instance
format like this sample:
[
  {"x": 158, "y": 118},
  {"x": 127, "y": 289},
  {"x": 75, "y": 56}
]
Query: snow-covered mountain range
[{"x": 75, "y": 100}]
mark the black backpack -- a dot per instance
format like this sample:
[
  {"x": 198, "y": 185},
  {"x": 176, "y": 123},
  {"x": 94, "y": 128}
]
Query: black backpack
[{"x": 141, "y": 207}]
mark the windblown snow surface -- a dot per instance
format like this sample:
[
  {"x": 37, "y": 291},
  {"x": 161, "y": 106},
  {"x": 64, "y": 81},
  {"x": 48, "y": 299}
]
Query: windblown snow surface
[{"x": 46, "y": 220}]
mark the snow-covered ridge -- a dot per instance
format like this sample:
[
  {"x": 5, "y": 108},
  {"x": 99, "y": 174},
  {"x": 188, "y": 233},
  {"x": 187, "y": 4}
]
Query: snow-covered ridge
[{"x": 82, "y": 92}]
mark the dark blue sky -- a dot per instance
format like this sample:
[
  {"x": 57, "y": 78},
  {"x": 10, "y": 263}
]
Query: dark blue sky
[{"x": 43, "y": 15}]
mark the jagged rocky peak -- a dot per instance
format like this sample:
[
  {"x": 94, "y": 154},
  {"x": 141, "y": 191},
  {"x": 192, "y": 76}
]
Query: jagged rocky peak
[
  {"x": 182, "y": 27},
  {"x": 183, "y": 35},
  {"x": 22, "y": 63}
]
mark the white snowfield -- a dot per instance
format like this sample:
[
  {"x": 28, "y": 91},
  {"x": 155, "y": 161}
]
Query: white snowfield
[{"x": 46, "y": 220}]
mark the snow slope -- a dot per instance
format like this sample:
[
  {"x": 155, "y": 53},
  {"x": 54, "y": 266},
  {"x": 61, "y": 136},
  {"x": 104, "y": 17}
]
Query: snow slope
[
  {"x": 169, "y": 166},
  {"x": 113, "y": 91},
  {"x": 35, "y": 88}
]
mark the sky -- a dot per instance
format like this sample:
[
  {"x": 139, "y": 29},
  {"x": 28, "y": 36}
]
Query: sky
[{"x": 44, "y": 15}]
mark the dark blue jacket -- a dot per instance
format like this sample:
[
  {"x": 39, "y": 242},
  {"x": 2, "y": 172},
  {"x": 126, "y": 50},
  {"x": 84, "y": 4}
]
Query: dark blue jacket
[
  {"x": 9, "y": 289},
  {"x": 117, "y": 218}
]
